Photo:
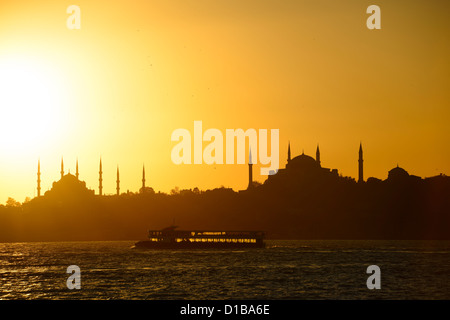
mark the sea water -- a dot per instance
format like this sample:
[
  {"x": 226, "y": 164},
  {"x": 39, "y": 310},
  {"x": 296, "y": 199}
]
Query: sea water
[{"x": 283, "y": 270}]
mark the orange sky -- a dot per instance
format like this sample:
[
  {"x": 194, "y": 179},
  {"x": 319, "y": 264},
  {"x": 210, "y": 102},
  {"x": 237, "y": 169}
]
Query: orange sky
[{"x": 136, "y": 71}]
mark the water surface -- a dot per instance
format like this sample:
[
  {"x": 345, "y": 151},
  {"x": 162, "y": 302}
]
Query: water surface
[{"x": 283, "y": 270}]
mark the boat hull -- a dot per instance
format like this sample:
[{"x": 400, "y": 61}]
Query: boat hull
[{"x": 195, "y": 245}]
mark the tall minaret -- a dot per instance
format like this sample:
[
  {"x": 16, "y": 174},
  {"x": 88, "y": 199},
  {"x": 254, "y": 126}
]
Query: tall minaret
[
  {"x": 250, "y": 170},
  {"x": 100, "y": 180},
  {"x": 118, "y": 182},
  {"x": 318, "y": 155},
  {"x": 76, "y": 173},
  {"x": 62, "y": 168},
  {"x": 360, "y": 163},
  {"x": 289, "y": 152},
  {"x": 143, "y": 178},
  {"x": 39, "y": 179}
]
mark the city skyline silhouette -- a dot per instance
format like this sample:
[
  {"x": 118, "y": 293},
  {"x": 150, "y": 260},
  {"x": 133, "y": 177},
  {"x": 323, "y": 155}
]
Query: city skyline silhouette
[
  {"x": 108, "y": 95},
  {"x": 360, "y": 174},
  {"x": 303, "y": 200}
]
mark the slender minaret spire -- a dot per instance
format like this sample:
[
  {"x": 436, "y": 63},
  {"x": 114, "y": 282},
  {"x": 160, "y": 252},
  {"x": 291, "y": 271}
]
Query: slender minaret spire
[
  {"x": 250, "y": 170},
  {"x": 360, "y": 164},
  {"x": 100, "y": 180},
  {"x": 318, "y": 155},
  {"x": 118, "y": 182},
  {"x": 289, "y": 152},
  {"x": 39, "y": 179},
  {"x": 62, "y": 168},
  {"x": 143, "y": 178},
  {"x": 76, "y": 173}
]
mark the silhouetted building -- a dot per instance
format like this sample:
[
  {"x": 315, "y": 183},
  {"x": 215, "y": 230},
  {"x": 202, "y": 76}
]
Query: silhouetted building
[
  {"x": 289, "y": 152},
  {"x": 360, "y": 165},
  {"x": 250, "y": 171},
  {"x": 77, "y": 173},
  {"x": 39, "y": 179},
  {"x": 144, "y": 189},
  {"x": 318, "y": 154},
  {"x": 69, "y": 187},
  {"x": 143, "y": 177},
  {"x": 65, "y": 182},
  {"x": 303, "y": 163},
  {"x": 373, "y": 180},
  {"x": 302, "y": 167},
  {"x": 100, "y": 179},
  {"x": 397, "y": 173},
  {"x": 118, "y": 182}
]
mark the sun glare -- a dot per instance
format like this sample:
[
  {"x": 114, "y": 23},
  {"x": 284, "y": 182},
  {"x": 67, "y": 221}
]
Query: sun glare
[{"x": 31, "y": 107}]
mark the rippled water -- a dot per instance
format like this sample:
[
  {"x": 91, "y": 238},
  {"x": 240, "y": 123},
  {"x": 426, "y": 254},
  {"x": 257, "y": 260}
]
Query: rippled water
[{"x": 283, "y": 270}]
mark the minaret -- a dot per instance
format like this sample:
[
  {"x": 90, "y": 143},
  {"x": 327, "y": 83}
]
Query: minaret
[
  {"x": 76, "y": 173},
  {"x": 100, "y": 180},
  {"x": 118, "y": 182},
  {"x": 318, "y": 155},
  {"x": 250, "y": 170},
  {"x": 62, "y": 168},
  {"x": 143, "y": 178},
  {"x": 289, "y": 152},
  {"x": 39, "y": 179},
  {"x": 360, "y": 165}
]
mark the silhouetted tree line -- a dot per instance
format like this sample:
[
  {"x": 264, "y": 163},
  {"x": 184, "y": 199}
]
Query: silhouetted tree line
[{"x": 326, "y": 207}]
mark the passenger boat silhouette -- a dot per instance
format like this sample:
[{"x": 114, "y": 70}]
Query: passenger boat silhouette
[{"x": 169, "y": 238}]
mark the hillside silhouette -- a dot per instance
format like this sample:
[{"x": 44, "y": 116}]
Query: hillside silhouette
[{"x": 302, "y": 201}]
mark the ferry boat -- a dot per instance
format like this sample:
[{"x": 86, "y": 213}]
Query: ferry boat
[{"x": 169, "y": 238}]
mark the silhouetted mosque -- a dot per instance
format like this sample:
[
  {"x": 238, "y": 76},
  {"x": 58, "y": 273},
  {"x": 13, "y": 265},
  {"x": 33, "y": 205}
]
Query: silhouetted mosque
[
  {"x": 305, "y": 167},
  {"x": 301, "y": 168},
  {"x": 70, "y": 184},
  {"x": 401, "y": 175}
]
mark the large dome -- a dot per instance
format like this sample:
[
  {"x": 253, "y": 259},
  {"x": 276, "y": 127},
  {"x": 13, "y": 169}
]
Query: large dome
[
  {"x": 303, "y": 162},
  {"x": 397, "y": 173},
  {"x": 69, "y": 186}
]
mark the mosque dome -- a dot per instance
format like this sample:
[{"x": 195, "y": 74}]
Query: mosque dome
[
  {"x": 397, "y": 173},
  {"x": 69, "y": 185},
  {"x": 303, "y": 162}
]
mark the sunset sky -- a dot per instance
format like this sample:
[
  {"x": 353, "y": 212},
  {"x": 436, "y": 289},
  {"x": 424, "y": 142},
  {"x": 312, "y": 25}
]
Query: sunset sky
[{"x": 138, "y": 70}]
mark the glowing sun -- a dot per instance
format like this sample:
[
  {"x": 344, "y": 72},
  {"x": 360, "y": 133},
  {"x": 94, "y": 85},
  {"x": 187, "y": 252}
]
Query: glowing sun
[{"x": 31, "y": 104}]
